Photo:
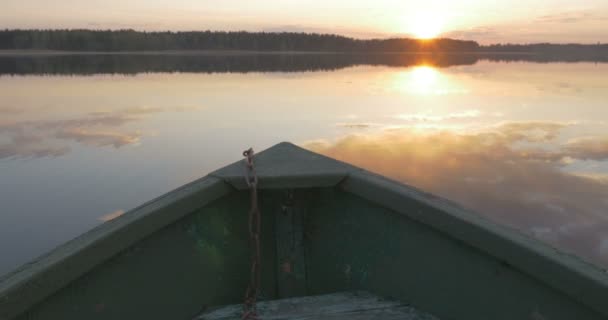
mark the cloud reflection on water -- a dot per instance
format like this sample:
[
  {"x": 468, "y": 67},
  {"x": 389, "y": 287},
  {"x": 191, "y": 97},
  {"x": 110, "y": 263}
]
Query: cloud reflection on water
[
  {"x": 44, "y": 138},
  {"x": 514, "y": 173}
]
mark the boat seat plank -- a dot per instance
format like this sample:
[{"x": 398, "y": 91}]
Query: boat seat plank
[{"x": 358, "y": 305}]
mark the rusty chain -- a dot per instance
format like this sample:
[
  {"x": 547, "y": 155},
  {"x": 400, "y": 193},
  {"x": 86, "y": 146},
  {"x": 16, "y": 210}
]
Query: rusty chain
[{"x": 251, "y": 294}]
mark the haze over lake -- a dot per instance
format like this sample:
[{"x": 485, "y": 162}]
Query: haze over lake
[{"x": 85, "y": 138}]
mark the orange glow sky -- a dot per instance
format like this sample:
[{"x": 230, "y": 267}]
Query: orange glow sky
[{"x": 486, "y": 21}]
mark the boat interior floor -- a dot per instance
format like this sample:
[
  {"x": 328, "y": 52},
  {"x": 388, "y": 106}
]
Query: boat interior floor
[{"x": 357, "y": 305}]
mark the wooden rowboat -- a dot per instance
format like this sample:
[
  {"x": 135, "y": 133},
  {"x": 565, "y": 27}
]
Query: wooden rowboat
[{"x": 337, "y": 242}]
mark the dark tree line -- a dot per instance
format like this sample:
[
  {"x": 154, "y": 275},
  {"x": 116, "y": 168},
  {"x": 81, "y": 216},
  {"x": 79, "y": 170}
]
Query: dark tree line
[
  {"x": 546, "y": 48},
  {"x": 130, "y": 40}
]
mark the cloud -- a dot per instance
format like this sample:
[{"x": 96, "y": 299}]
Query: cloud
[
  {"x": 116, "y": 25},
  {"x": 342, "y": 30},
  {"x": 143, "y": 110},
  {"x": 42, "y": 138},
  {"x": 561, "y": 88},
  {"x": 581, "y": 26},
  {"x": 98, "y": 138},
  {"x": 588, "y": 148},
  {"x": 30, "y": 146},
  {"x": 533, "y": 131},
  {"x": 425, "y": 117},
  {"x": 482, "y": 34},
  {"x": 572, "y": 17},
  {"x": 355, "y": 125},
  {"x": 505, "y": 172}
]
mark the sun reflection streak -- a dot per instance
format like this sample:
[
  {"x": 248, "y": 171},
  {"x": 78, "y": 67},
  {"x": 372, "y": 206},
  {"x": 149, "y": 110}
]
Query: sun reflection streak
[{"x": 425, "y": 80}]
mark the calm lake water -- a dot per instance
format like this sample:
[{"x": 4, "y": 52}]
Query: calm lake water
[{"x": 85, "y": 138}]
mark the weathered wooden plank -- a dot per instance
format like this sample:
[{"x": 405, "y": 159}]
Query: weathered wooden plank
[{"x": 359, "y": 305}]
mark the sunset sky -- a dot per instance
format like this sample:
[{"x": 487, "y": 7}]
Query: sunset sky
[{"x": 486, "y": 21}]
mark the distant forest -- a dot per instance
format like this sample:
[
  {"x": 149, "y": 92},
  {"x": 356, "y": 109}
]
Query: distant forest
[{"x": 130, "y": 40}]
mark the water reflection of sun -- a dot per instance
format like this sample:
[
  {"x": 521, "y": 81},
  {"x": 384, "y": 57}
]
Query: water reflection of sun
[
  {"x": 425, "y": 80},
  {"x": 418, "y": 80}
]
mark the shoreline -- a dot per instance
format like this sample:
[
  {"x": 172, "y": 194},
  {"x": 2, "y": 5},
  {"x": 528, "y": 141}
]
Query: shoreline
[{"x": 27, "y": 52}]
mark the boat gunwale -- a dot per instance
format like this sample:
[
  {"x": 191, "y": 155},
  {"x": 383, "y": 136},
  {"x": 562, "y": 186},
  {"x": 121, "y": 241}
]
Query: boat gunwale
[
  {"x": 580, "y": 280},
  {"x": 36, "y": 280},
  {"x": 570, "y": 275}
]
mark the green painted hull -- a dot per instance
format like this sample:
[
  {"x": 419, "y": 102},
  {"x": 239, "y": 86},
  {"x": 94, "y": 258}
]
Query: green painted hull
[{"x": 335, "y": 227}]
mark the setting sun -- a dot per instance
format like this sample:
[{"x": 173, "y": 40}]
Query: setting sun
[{"x": 425, "y": 25}]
